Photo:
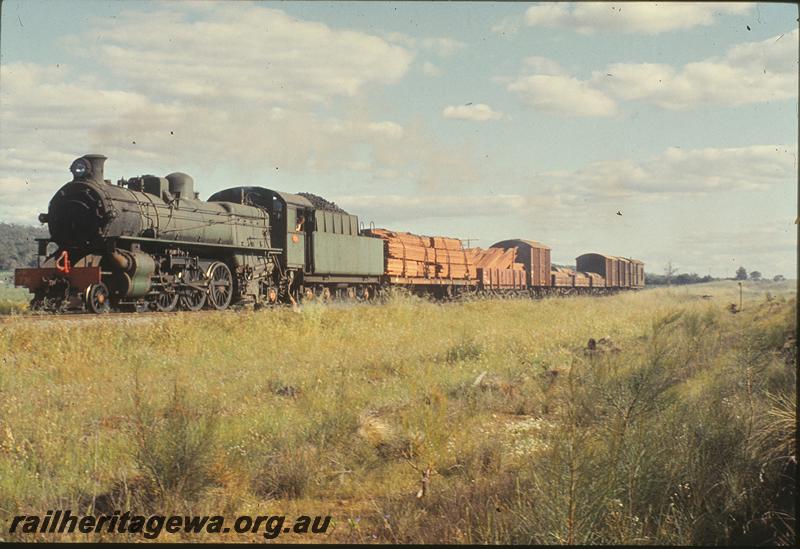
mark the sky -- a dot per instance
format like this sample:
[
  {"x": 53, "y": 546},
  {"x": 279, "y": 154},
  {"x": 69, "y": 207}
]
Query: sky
[{"x": 478, "y": 120}]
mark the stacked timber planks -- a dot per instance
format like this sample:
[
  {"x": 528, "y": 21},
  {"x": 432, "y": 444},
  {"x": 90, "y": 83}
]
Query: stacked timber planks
[
  {"x": 497, "y": 269},
  {"x": 563, "y": 276},
  {"x": 595, "y": 280},
  {"x": 431, "y": 257},
  {"x": 493, "y": 258}
]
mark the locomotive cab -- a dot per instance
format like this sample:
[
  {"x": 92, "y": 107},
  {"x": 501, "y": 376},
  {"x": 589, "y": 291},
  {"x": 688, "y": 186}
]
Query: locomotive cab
[
  {"x": 322, "y": 250},
  {"x": 291, "y": 218}
]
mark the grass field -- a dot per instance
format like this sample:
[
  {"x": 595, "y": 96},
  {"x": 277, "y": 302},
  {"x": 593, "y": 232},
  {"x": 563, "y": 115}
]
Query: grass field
[
  {"x": 677, "y": 428},
  {"x": 12, "y": 300}
]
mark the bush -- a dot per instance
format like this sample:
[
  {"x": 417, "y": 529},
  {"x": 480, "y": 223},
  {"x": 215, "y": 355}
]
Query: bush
[{"x": 174, "y": 447}]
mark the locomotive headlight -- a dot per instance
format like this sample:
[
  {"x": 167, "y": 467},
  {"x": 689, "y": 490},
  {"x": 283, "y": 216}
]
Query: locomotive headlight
[{"x": 80, "y": 168}]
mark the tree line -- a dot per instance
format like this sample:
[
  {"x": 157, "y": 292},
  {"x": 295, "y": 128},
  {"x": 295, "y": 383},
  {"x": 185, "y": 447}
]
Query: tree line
[
  {"x": 18, "y": 246},
  {"x": 741, "y": 274},
  {"x": 671, "y": 276},
  {"x": 677, "y": 279}
]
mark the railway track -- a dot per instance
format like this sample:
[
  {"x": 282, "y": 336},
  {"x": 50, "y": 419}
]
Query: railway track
[
  {"x": 123, "y": 317},
  {"x": 149, "y": 316}
]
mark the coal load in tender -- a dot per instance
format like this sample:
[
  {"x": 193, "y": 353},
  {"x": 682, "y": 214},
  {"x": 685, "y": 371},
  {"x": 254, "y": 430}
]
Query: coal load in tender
[
  {"x": 320, "y": 203},
  {"x": 414, "y": 256}
]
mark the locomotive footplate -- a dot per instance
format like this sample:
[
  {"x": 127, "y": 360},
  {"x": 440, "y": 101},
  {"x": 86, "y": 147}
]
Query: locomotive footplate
[
  {"x": 59, "y": 289},
  {"x": 41, "y": 278}
]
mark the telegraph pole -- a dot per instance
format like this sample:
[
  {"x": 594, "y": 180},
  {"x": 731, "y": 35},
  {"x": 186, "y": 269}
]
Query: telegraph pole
[
  {"x": 669, "y": 271},
  {"x": 740, "y": 296}
]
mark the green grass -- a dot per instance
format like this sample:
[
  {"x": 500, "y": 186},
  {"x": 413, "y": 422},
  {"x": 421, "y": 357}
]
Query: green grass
[
  {"x": 12, "y": 300},
  {"x": 678, "y": 429}
]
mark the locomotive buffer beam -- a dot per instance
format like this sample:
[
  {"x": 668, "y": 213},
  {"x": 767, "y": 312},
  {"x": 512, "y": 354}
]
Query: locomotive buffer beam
[{"x": 36, "y": 279}]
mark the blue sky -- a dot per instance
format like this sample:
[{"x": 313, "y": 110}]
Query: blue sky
[{"x": 474, "y": 120}]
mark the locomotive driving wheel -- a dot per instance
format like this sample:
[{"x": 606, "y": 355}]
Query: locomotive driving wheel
[
  {"x": 220, "y": 285},
  {"x": 191, "y": 298},
  {"x": 97, "y": 298},
  {"x": 166, "y": 301}
]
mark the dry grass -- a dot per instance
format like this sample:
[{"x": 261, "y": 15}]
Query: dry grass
[{"x": 678, "y": 429}]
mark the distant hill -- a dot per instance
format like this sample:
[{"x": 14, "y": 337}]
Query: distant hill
[{"x": 17, "y": 245}]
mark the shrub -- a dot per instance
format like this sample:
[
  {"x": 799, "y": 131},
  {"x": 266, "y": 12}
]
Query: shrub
[{"x": 174, "y": 447}]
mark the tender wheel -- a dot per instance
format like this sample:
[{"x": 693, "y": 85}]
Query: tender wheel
[
  {"x": 272, "y": 295},
  {"x": 97, "y": 298},
  {"x": 166, "y": 301},
  {"x": 220, "y": 286},
  {"x": 308, "y": 294},
  {"x": 324, "y": 294}
]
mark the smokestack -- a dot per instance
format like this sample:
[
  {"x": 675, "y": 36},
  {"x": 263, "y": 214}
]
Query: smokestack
[{"x": 97, "y": 162}]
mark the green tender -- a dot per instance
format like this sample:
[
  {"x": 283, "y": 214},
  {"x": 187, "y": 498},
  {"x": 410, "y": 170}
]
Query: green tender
[{"x": 347, "y": 255}]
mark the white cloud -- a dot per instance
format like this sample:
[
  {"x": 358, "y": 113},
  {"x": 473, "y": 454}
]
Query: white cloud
[
  {"x": 562, "y": 95},
  {"x": 675, "y": 183},
  {"x": 441, "y": 45},
  {"x": 543, "y": 65},
  {"x": 241, "y": 86},
  {"x": 405, "y": 40},
  {"x": 478, "y": 112},
  {"x": 684, "y": 172},
  {"x": 769, "y": 246},
  {"x": 630, "y": 17},
  {"x": 444, "y": 47},
  {"x": 403, "y": 207},
  {"x": 21, "y": 199},
  {"x": 508, "y": 26},
  {"x": 569, "y": 196},
  {"x": 430, "y": 69},
  {"x": 43, "y": 97},
  {"x": 751, "y": 72},
  {"x": 387, "y": 129},
  {"x": 242, "y": 51}
]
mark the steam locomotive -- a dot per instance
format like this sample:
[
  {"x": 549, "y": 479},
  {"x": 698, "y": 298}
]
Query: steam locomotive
[{"x": 149, "y": 243}]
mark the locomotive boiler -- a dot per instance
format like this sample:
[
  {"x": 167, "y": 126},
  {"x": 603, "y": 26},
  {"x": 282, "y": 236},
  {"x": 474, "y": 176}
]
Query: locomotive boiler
[{"x": 147, "y": 242}]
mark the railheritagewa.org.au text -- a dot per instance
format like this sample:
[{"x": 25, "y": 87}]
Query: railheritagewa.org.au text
[{"x": 152, "y": 526}]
